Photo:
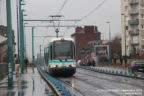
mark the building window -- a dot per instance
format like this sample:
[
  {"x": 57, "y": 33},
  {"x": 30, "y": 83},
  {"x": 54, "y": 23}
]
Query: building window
[
  {"x": 127, "y": 48},
  {"x": 134, "y": 8},
  {"x": 135, "y": 39},
  {"x": 142, "y": 16},
  {"x": 134, "y": 17},
  {"x": 142, "y": 37},
  {"x": 142, "y": 46},
  {"x": 127, "y": 18},
  {"x": 142, "y": 27},
  {"x": 126, "y": 27},
  {"x": 127, "y": 38},
  {"x": 142, "y": 6},
  {"x": 126, "y": 8}
]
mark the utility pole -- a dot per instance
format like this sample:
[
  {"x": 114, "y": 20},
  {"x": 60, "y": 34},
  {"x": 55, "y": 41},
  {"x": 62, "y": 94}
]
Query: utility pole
[
  {"x": 33, "y": 44},
  {"x": 124, "y": 33},
  {"x": 10, "y": 46},
  {"x": 109, "y": 42},
  {"x": 21, "y": 39}
]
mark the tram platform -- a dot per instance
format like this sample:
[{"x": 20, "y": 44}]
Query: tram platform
[{"x": 28, "y": 84}]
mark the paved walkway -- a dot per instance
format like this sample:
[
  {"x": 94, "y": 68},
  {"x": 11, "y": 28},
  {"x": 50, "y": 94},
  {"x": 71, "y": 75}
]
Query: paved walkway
[{"x": 28, "y": 84}]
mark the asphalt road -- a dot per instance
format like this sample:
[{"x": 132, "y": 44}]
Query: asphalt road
[{"x": 89, "y": 83}]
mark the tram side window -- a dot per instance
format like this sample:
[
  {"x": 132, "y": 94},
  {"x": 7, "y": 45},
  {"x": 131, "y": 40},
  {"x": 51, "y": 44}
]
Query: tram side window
[
  {"x": 51, "y": 57},
  {"x": 46, "y": 57},
  {"x": 74, "y": 52}
]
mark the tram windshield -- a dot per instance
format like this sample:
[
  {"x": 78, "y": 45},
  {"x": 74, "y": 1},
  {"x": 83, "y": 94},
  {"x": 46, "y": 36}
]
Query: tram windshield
[{"x": 63, "y": 50}]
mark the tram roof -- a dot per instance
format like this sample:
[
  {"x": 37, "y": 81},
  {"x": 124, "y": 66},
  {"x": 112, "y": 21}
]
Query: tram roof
[{"x": 55, "y": 39}]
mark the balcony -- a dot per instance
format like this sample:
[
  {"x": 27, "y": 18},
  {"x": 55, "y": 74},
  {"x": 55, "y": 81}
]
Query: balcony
[
  {"x": 133, "y": 12},
  {"x": 134, "y": 43},
  {"x": 133, "y": 2},
  {"x": 132, "y": 22},
  {"x": 133, "y": 32}
]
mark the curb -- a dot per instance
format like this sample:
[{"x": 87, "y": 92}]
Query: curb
[{"x": 58, "y": 88}]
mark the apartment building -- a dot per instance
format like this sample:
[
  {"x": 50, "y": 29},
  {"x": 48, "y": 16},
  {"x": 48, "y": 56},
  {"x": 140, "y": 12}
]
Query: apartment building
[{"x": 132, "y": 20}]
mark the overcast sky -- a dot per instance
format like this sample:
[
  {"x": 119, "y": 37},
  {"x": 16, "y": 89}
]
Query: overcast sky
[{"x": 73, "y": 9}]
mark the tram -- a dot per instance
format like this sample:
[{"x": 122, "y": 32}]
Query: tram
[{"x": 60, "y": 57}]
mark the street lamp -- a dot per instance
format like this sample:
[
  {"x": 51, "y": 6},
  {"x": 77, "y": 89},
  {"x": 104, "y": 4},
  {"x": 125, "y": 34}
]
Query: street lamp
[
  {"x": 108, "y": 22},
  {"x": 124, "y": 31},
  {"x": 21, "y": 35}
]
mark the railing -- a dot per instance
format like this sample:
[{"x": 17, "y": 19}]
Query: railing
[
  {"x": 133, "y": 21},
  {"x": 132, "y": 32},
  {"x": 133, "y": 1},
  {"x": 133, "y": 11},
  {"x": 114, "y": 72}
]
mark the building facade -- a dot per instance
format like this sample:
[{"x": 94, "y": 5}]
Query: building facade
[
  {"x": 3, "y": 49},
  {"x": 3, "y": 44},
  {"x": 85, "y": 37},
  {"x": 132, "y": 20}
]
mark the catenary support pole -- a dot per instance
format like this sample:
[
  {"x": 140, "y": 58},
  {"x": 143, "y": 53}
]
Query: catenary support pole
[
  {"x": 18, "y": 31},
  {"x": 21, "y": 39},
  {"x": 33, "y": 44},
  {"x": 10, "y": 46}
]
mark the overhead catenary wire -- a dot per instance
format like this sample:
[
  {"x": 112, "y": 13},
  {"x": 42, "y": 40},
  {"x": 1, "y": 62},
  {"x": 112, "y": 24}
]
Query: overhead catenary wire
[
  {"x": 92, "y": 11},
  {"x": 61, "y": 8}
]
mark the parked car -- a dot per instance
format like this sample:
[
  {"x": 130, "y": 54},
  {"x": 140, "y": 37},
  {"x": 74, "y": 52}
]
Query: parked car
[{"x": 136, "y": 66}]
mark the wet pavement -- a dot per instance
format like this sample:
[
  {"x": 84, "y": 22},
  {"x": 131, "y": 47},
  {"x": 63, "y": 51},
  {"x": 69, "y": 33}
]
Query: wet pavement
[
  {"x": 28, "y": 84},
  {"x": 83, "y": 83},
  {"x": 89, "y": 83}
]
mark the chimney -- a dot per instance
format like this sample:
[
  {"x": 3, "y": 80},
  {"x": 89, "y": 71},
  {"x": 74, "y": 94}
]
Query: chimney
[{"x": 79, "y": 29}]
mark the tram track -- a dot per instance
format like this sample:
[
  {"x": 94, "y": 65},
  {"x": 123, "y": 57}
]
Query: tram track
[
  {"x": 69, "y": 85},
  {"x": 85, "y": 80},
  {"x": 66, "y": 82}
]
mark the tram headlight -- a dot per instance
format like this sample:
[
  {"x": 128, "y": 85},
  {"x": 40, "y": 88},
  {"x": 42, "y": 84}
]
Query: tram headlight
[
  {"x": 73, "y": 65},
  {"x": 53, "y": 66}
]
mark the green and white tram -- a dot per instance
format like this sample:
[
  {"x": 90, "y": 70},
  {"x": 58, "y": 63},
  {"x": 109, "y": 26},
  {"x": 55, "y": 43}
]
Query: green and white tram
[{"x": 60, "y": 57}]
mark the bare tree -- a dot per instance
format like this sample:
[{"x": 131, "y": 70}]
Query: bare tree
[{"x": 116, "y": 45}]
